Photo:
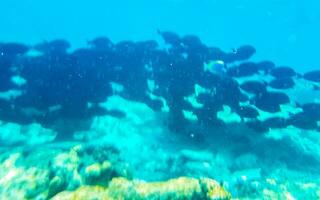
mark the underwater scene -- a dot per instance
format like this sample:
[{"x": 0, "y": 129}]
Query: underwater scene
[{"x": 167, "y": 100}]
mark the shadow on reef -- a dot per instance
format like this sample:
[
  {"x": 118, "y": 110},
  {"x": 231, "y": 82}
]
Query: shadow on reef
[{"x": 203, "y": 87}]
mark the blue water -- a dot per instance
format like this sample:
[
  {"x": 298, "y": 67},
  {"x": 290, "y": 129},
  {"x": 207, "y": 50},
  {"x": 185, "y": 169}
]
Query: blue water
[
  {"x": 285, "y": 31},
  {"x": 227, "y": 90}
]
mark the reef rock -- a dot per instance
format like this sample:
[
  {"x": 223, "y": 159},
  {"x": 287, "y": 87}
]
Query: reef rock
[{"x": 182, "y": 188}]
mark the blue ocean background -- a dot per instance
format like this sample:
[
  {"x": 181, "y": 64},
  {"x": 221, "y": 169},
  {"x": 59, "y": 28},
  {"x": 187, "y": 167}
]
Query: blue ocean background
[
  {"x": 230, "y": 99},
  {"x": 285, "y": 31}
]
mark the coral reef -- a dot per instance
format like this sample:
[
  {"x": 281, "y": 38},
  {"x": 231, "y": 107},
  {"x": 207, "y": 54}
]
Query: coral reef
[
  {"x": 175, "y": 189},
  {"x": 78, "y": 171},
  {"x": 74, "y": 174}
]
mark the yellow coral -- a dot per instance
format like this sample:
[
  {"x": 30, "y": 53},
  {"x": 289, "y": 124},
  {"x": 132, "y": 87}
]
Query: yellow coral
[
  {"x": 93, "y": 170},
  {"x": 175, "y": 189},
  {"x": 181, "y": 188},
  {"x": 84, "y": 193},
  {"x": 214, "y": 190}
]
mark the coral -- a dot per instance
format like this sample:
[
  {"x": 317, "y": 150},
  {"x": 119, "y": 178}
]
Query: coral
[
  {"x": 97, "y": 173},
  {"x": 182, "y": 188},
  {"x": 87, "y": 173},
  {"x": 18, "y": 182},
  {"x": 84, "y": 193},
  {"x": 45, "y": 172},
  {"x": 56, "y": 185},
  {"x": 82, "y": 166},
  {"x": 213, "y": 189}
]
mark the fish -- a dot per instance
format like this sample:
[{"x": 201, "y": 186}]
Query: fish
[
  {"x": 216, "y": 67},
  {"x": 313, "y": 76},
  {"x": 282, "y": 72}
]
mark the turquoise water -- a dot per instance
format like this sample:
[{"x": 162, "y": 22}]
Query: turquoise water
[
  {"x": 176, "y": 99},
  {"x": 282, "y": 30}
]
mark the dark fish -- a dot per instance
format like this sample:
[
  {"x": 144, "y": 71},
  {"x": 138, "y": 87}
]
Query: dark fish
[
  {"x": 270, "y": 101},
  {"x": 283, "y": 72},
  {"x": 126, "y": 48},
  {"x": 5, "y": 72},
  {"x": 100, "y": 43},
  {"x": 191, "y": 40},
  {"x": 247, "y": 112},
  {"x": 6, "y": 84},
  {"x": 265, "y": 66},
  {"x": 97, "y": 110},
  {"x": 60, "y": 45},
  {"x": 170, "y": 37},
  {"x": 148, "y": 45},
  {"x": 244, "y": 52},
  {"x": 175, "y": 72},
  {"x": 208, "y": 80},
  {"x": 229, "y": 57},
  {"x": 243, "y": 98},
  {"x": 125, "y": 44},
  {"x": 215, "y": 53},
  {"x": 13, "y": 49},
  {"x": 312, "y": 110},
  {"x": 275, "y": 122},
  {"x": 82, "y": 53},
  {"x": 312, "y": 76},
  {"x": 193, "y": 43},
  {"x": 303, "y": 121},
  {"x": 244, "y": 69},
  {"x": 282, "y": 83},
  {"x": 257, "y": 126},
  {"x": 254, "y": 87}
]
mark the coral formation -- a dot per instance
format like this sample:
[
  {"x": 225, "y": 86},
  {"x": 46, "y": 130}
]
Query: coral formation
[
  {"x": 65, "y": 179},
  {"x": 175, "y": 189}
]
